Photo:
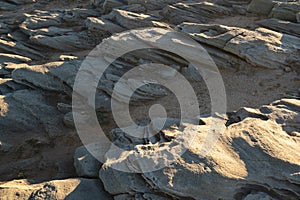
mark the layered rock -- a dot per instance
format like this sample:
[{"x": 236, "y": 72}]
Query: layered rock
[
  {"x": 275, "y": 50},
  {"x": 245, "y": 163},
  {"x": 57, "y": 189}
]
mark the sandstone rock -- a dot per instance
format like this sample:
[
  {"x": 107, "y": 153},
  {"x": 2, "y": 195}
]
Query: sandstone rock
[
  {"x": 12, "y": 58},
  {"x": 7, "y": 85},
  {"x": 256, "y": 149},
  {"x": 281, "y": 26},
  {"x": 276, "y": 50},
  {"x": 108, "y": 5},
  {"x": 56, "y": 19},
  {"x": 131, "y": 20},
  {"x": 20, "y": 49},
  {"x": 286, "y": 11},
  {"x": 262, "y": 7},
  {"x": 55, "y": 76},
  {"x": 103, "y": 25},
  {"x": 56, "y": 189},
  {"x": 68, "y": 42},
  {"x": 151, "y": 5},
  {"x": 85, "y": 163},
  {"x": 26, "y": 110},
  {"x": 194, "y": 12}
]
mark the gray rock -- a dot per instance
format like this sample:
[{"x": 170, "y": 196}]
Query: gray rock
[
  {"x": 276, "y": 50},
  {"x": 72, "y": 41},
  {"x": 56, "y": 19},
  {"x": 108, "y": 5},
  {"x": 12, "y": 58},
  {"x": 281, "y": 26},
  {"x": 286, "y": 11},
  {"x": 55, "y": 76},
  {"x": 151, "y": 5},
  {"x": 7, "y": 85},
  {"x": 7, "y": 6},
  {"x": 19, "y": 48},
  {"x": 131, "y": 20},
  {"x": 4, "y": 147},
  {"x": 200, "y": 12},
  {"x": 298, "y": 17},
  {"x": 69, "y": 120},
  {"x": 84, "y": 189},
  {"x": 256, "y": 151},
  {"x": 262, "y": 7},
  {"x": 98, "y": 24},
  {"x": 85, "y": 163},
  {"x": 27, "y": 110}
]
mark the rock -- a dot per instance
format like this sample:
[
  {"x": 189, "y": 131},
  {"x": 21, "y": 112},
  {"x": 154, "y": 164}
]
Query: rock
[
  {"x": 56, "y": 189},
  {"x": 7, "y": 85},
  {"x": 7, "y": 6},
  {"x": 108, "y": 5},
  {"x": 12, "y": 58},
  {"x": 20, "y": 2},
  {"x": 68, "y": 42},
  {"x": 262, "y": 7},
  {"x": 64, "y": 108},
  {"x": 27, "y": 110},
  {"x": 85, "y": 163},
  {"x": 68, "y": 120},
  {"x": 239, "y": 9},
  {"x": 281, "y": 26},
  {"x": 259, "y": 195},
  {"x": 20, "y": 49},
  {"x": 200, "y": 12},
  {"x": 96, "y": 24},
  {"x": 131, "y": 20},
  {"x": 276, "y": 50},
  {"x": 55, "y": 19},
  {"x": 256, "y": 149},
  {"x": 151, "y": 5},
  {"x": 4, "y": 147},
  {"x": 298, "y": 17},
  {"x": 286, "y": 11},
  {"x": 55, "y": 76},
  {"x": 4, "y": 28}
]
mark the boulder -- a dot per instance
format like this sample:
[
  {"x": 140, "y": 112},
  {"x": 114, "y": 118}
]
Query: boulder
[{"x": 246, "y": 162}]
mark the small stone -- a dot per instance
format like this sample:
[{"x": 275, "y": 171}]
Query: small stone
[
  {"x": 4, "y": 147},
  {"x": 287, "y": 69}
]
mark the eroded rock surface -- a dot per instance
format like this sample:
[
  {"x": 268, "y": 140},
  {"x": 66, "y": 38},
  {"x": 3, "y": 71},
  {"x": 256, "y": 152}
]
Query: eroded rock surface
[
  {"x": 247, "y": 160},
  {"x": 254, "y": 43}
]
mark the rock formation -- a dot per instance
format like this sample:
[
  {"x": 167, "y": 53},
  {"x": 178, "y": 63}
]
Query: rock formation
[{"x": 256, "y": 47}]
